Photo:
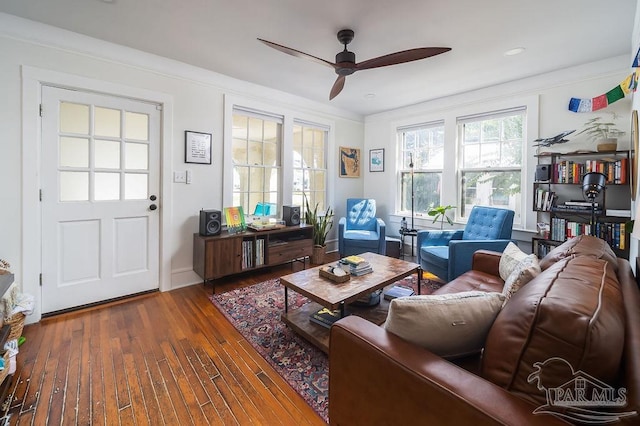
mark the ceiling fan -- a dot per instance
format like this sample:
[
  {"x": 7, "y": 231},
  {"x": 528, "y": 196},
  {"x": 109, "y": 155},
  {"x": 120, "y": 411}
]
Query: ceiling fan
[{"x": 346, "y": 61}]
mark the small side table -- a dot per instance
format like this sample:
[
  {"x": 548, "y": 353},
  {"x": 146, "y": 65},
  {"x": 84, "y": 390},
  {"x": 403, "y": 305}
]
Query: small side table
[{"x": 407, "y": 233}]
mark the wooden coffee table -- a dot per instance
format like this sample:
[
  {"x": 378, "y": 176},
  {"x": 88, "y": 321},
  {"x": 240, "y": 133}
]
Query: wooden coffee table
[{"x": 331, "y": 295}]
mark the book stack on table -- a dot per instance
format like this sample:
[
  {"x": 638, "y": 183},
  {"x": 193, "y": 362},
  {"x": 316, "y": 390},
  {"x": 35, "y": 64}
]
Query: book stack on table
[{"x": 357, "y": 265}]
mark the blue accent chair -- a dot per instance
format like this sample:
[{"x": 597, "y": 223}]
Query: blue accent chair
[
  {"x": 360, "y": 231},
  {"x": 448, "y": 254}
]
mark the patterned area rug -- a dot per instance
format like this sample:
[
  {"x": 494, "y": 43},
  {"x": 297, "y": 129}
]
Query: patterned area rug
[{"x": 255, "y": 312}]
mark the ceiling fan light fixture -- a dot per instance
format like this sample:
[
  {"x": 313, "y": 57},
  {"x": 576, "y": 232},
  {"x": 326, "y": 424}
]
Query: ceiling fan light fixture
[
  {"x": 346, "y": 64},
  {"x": 515, "y": 51}
]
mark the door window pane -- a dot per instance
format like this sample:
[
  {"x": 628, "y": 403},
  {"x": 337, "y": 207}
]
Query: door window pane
[
  {"x": 74, "y": 152},
  {"x": 74, "y": 186},
  {"x": 136, "y": 156},
  {"x": 136, "y": 126},
  {"x": 107, "y": 186},
  {"x": 107, "y": 122},
  {"x": 107, "y": 154},
  {"x": 135, "y": 186},
  {"x": 74, "y": 118}
]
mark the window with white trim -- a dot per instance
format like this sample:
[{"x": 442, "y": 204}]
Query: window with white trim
[
  {"x": 422, "y": 161},
  {"x": 491, "y": 149},
  {"x": 256, "y": 154},
  {"x": 310, "y": 164}
]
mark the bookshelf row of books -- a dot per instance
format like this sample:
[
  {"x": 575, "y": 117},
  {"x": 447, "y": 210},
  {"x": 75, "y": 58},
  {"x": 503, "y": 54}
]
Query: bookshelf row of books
[
  {"x": 543, "y": 249},
  {"x": 568, "y": 171},
  {"x": 252, "y": 256},
  {"x": 614, "y": 233},
  {"x": 543, "y": 199}
]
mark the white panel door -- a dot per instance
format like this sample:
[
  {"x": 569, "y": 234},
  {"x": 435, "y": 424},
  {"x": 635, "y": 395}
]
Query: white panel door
[{"x": 100, "y": 182}]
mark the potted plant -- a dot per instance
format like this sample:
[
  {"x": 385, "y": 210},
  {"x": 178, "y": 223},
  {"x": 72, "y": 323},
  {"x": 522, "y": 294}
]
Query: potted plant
[
  {"x": 604, "y": 133},
  {"x": 321, "y": 224},
  {"x": 440, "y": 212}
]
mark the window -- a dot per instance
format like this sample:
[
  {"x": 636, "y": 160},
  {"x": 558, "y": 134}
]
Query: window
[
  {"x": 256, "y": 155},
  {"x": 491, "y": 147},
  {"x": 422, "y": 157},
  {"x": 309, "y": 165}
]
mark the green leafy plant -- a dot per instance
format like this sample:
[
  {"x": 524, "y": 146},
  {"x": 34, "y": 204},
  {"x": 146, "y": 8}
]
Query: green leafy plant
[
  {"x": 321, "y": 223},
  {"x": 596, "y": 128},
  {"x": 440, "y": 212}
]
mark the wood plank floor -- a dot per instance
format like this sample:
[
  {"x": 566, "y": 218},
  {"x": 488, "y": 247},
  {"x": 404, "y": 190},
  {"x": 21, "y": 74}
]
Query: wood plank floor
[{"x": 164, "y": 358}]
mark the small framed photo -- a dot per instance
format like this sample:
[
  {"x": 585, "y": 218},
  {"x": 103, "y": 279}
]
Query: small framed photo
[
  {"x": 197, "y": 147},
  {"x": 349, "y": 162},
  {"x": 376, "y": 160}
]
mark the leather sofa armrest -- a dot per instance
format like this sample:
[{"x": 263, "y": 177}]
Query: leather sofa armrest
[
  {"x": 487, "y": 261},
  {"x": 375, "y": 377}
]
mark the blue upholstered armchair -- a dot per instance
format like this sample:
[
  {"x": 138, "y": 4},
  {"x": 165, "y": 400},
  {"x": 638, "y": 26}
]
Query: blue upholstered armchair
[
  {"x": 361, "y": 231},
  {"x": 448, "y": 254}
]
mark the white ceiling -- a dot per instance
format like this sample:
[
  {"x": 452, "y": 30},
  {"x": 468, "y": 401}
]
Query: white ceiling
[{"x": 220, "y": 35}]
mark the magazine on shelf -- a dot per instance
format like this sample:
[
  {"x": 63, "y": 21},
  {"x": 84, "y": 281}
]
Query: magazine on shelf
[
  {"x": 325, "y": 317},
  {"x": 398, "y": 291}
]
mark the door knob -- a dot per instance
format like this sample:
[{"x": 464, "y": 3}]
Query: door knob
[
  {"x": 153, "y": 207},
  {"x": 153, "y": 198}
]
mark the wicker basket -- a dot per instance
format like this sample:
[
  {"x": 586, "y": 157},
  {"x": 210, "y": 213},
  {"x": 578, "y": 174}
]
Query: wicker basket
[
  {"x": 5, "y": 371},
  {"x": 16, "y": 321}
]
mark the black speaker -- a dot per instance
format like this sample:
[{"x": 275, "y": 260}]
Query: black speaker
[
  {"x": 210, "y": 222},
  {"x": 543, "y": 172},
  {"x": 291, "y": 215}
]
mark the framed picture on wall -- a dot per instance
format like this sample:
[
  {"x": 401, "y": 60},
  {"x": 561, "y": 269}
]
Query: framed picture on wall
[
  {"x": 376, "y": 160},
  {"x": 197, "y": 147},
  {"x": 349, "y": 162}
]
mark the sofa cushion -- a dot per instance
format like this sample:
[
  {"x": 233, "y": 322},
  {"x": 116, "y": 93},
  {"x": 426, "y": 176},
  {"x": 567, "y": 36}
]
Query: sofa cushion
[
  {"x": 572, "y": 311},
  {"x": 437, "y": 255},
  {"x": 583, "y": 245},
  {"x": 511, "y": 257},
  {"x": 526, "y": 270},
  {"x": 473, "y": 281},
  {"x": 449, "y": 325}
]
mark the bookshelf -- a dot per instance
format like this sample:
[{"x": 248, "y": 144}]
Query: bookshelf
[{"x": 563, "y": 213}]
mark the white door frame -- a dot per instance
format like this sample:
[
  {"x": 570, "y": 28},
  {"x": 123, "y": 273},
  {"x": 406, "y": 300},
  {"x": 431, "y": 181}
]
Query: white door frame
[{"x": 32, "y": 80}]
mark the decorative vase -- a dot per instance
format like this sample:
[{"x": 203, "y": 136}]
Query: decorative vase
[{"x": 317, "y": 255}]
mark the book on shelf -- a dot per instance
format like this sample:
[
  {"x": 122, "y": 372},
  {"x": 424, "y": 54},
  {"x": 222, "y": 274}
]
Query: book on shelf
[
  {"x": 325, "y": 317},
  {"x": 618, "y": 213},
  {"x": 235, "y": 219},
  {"x": 579, "y": 203},
  {"x": 398, "y": 291}
]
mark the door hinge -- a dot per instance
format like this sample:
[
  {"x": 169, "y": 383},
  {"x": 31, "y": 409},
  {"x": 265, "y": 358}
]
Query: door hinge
[
  {"x": 159, "y": 107},
  {"x": 41, "y": 110},
  {"x": 40, "y": 196},
  {"x": 40, "y": 279}
]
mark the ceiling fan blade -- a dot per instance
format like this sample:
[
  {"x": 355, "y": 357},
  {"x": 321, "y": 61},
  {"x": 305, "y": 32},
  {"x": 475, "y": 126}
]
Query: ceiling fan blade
[
  {"x": 337, "y": 86},
  {"x": 297, "y": 53},
  {"x": 401, "y": 57}
]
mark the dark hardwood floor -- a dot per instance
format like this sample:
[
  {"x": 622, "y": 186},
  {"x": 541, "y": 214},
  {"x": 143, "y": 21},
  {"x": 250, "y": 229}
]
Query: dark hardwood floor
[{"x": 162, "y": 358}]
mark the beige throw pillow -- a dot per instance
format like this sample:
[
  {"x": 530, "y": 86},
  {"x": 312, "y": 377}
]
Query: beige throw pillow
[
  {"x": 449, "y": 325},
  {"x": 525, "y": 271},
  {"x": 510, "y": 258}
]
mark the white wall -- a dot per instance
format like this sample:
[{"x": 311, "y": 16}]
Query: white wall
[
  {"x": 197, "y": 98},
  {"x": 548, "y": 97}
]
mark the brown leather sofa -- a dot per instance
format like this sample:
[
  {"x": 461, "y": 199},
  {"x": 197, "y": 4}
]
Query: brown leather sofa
[{"x": 583, "y": 308}]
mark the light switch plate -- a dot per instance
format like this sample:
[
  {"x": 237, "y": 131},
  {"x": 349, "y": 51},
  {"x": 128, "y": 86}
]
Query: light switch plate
[{"x": 180, "y": 177}]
